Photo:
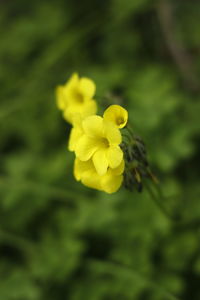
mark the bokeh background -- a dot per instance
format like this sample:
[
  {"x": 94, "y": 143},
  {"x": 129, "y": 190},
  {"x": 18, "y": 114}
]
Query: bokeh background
[{"x": 59, "y": 239}]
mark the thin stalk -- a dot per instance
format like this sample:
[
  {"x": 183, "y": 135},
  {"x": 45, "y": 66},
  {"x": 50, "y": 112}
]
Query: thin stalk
[{"x": 159, "y": 204}]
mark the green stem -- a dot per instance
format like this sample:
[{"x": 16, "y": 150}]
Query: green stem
[
  {"x": 175, "y": 217},
  {"x": 154, "y": 197}
]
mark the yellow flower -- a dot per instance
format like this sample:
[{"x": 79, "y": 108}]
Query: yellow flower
[
  {"x": 117, "y": 115},
  {"x": 99, "y": 142},
  {"x": 110, "y": 182},
  {"x": 76, "y": 97}
]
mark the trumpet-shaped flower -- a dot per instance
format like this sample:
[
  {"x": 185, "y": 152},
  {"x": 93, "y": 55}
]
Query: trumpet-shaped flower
[
  {"x": 100, "y": 142},
  {"x": 110, "y": 182},
  {"x": 76, "y": 97},
  {"x": 117, "y": 115}
]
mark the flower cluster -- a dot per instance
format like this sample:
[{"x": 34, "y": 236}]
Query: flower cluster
[
  {"x": 76, "y": 97},
  {"x": 95, "y": 140}
]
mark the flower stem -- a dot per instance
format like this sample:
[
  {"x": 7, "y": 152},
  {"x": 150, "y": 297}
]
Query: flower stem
[{"x": 155, "y": 198}]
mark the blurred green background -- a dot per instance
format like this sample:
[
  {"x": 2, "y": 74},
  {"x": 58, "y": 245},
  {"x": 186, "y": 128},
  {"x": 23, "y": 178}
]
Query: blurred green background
[{"x": 59, "y": 239}]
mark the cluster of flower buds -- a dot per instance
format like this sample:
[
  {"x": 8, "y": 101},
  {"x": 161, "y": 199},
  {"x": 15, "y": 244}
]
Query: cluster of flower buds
[{"x": 136, "y": 163}]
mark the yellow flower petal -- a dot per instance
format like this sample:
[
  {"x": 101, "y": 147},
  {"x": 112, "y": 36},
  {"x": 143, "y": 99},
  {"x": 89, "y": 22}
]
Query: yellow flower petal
[
  {"x": 73, "y": 81},
  {"x": 93, "y": 126},
  {"x": 92, "y": 180},
  {"x": 100, "y": 161},
  {"x": 119, "y": 170},
  {"x": 117, "y": 115},
  {"x": 110, "y": 184},
  {"x": 60, "y": 100},
  {"x": 87, "y": 87},
  {"x": 67, "y": 115},
  {"x": 77, "y": 172},
  {"x": 75, "y": 135},
  {"x": 84, "y": 110},
  {"x": 82, "y": 167},
  {"x": 90, "y": 108},
  {"x": 114, "y": 156},
  {"x": 77, "y": 121},
  {"x": 112, "y": 133},
  {"x": 62, "y": 91},
  {"x": 85, "y": 171},
  {"x": 85, "y": 148}
]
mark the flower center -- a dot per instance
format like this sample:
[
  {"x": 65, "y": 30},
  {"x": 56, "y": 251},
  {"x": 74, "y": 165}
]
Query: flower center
[
  {"x": 78, "y": 96},
  {"x": 120, "y": 121},
  {"x": 104, "y": 142}
]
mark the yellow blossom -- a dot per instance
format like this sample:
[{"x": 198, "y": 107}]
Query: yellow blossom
[
  {"x": 117, "y": 115},
  {"x": 100, "y": 142},
  {"x": 110, "y": 182},
  {"x": 76, "y": 97}
]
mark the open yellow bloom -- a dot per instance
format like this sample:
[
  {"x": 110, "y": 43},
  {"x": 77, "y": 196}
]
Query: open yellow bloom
[
  {"x": 117, "y": 115},
  {"x": 99, "y": 142},
  {"x": 110, "y": 182},
  {"x": 76, "y": 97}
]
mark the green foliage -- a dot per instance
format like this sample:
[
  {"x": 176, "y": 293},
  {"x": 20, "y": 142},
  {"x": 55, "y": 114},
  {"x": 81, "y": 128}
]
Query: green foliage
[{"x": 58, "y": 239}]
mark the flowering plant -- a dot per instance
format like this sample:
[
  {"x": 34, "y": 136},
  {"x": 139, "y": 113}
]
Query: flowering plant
[{"x": 107, "y": 153}]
